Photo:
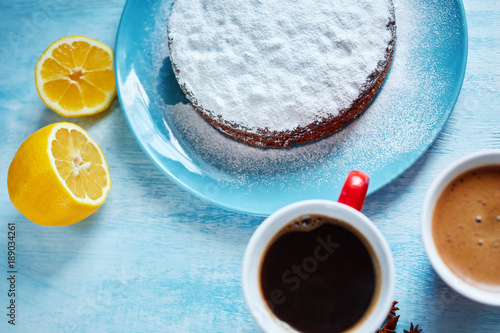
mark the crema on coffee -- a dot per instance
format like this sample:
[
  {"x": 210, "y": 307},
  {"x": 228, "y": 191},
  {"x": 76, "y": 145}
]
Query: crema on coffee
[{"x": 466, "y": 227}]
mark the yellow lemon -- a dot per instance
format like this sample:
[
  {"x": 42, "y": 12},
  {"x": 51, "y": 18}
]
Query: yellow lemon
[
  {"x": 75, "y": 76},
  {"x": 59, "y": 176}
]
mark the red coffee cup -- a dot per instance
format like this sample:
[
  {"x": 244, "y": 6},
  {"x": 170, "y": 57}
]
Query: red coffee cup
[{"x": 346, "y": 209}]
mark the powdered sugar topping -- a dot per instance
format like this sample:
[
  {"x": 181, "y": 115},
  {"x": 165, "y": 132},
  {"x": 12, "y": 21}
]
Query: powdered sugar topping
[{"x": 277, "y": 64}]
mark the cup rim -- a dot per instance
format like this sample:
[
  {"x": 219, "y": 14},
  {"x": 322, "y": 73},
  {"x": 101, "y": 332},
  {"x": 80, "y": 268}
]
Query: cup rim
[
  {"x": 453, "y": 170},
  {"x": 266, "y": 231}
]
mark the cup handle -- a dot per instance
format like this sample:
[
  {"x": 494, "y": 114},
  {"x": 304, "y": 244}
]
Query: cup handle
[{"x": 354, "y": 191}]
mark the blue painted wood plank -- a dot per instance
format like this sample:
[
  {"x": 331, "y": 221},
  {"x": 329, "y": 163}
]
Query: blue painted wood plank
[{"x": 156, "y": 259}]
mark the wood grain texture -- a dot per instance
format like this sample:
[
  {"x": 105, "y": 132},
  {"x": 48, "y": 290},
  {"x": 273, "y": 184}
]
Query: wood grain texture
[{"x": 156, "y": 259}]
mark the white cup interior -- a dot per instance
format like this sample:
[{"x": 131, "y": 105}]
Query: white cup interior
[
  {"x": 273, "y": 224},
  {"x": 471, "y": 161}
]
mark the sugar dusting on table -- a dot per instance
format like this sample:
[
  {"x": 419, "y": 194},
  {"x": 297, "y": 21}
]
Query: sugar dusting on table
[{"x": 389, "y": 127}]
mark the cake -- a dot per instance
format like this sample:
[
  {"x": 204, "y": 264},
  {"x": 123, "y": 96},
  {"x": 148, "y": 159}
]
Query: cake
[{"x": 278, "y": 73}]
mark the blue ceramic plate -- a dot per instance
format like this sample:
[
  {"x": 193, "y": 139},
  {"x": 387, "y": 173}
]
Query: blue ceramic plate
[{"x": 394, "y": 131}]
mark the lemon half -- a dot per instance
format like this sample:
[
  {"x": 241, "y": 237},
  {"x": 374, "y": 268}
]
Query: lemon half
[
  {"x": 75, "y": 76},
  {"x": 59, "y": 176}
]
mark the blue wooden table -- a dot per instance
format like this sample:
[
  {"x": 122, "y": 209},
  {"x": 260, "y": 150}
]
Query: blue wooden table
[{"x": 156, "y": 259}]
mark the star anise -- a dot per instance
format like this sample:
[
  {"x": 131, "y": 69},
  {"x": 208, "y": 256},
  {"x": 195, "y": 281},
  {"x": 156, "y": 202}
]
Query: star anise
[
  {"x": 390, "y": 327},
  {"x": 413, "y": 329},
  {"x": 392, "y": 313}
]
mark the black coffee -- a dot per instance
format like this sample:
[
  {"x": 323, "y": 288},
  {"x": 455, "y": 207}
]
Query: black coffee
[{"x": 319, "y": 275}]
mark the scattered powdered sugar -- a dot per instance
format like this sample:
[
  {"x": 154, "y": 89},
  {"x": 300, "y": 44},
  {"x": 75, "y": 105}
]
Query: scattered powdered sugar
[
  {"x": 278, "y": 64},
  {"x": 394, "y": 125}
]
